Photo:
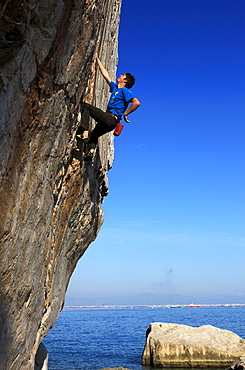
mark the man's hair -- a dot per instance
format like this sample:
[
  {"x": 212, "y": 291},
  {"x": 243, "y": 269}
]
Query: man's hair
[{"x": 130, "y": 80}]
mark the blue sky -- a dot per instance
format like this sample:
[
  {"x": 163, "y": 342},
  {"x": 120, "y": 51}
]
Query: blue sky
[{"x": 174, "y": 217}]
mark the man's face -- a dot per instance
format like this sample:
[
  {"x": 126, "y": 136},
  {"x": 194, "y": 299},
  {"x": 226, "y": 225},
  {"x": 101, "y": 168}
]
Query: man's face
[{"x": 122, "y": 79}]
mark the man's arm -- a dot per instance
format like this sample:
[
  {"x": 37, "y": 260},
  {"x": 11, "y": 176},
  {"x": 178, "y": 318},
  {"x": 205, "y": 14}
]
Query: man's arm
[
  {"x": 103, "y": 71},
  {"x": 135, "y": 104}
]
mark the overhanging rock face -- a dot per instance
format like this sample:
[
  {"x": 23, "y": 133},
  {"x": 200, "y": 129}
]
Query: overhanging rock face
[{"x": 50, "y": 200}]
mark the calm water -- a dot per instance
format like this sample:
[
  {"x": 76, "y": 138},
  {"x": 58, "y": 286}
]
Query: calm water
[{"x": 93, "y": 339}]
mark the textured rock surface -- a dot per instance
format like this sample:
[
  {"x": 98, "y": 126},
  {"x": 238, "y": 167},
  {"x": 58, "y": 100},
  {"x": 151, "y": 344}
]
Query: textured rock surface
[
  {"x": 49, "y": 200},
  {"x": 173, "y": 345}
]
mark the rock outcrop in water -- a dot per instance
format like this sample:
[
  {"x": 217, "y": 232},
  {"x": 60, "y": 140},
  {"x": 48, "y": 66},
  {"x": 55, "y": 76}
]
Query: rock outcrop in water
[
  {"x": 50, "y": 201},
  {"x": 175, "y": 345}
]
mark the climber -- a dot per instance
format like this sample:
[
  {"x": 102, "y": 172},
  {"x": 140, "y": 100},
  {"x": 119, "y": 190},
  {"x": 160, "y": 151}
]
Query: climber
[{"x": 122, "y": 102}]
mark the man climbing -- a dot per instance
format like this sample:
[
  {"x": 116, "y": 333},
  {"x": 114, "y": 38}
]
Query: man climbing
[{"x": 122, "y": 102}]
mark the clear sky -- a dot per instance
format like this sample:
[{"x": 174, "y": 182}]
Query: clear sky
[{"x": 175, "y": 215}]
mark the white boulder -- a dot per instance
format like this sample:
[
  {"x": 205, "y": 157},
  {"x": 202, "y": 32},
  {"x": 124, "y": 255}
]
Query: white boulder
[{"x": 177, "y": 345}]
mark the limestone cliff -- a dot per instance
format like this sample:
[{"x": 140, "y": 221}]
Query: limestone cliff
[{"x": 50, "y": 200}]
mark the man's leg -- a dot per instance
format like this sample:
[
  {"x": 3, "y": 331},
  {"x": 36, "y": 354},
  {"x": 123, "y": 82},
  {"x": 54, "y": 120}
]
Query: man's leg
[
  {"x": 97, "y": 114},
  {"x": 99, "y": 130},
  {"x": 105, "y": 122}
]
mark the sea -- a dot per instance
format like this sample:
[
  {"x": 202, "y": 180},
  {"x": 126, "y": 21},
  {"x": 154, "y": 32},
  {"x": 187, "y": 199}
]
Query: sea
[{"x": 95, "y": 338}]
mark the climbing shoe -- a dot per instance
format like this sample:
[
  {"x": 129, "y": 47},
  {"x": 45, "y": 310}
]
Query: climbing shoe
[
  {"x": 84, "y": 140},
  {"x": 88, "y": 157}
]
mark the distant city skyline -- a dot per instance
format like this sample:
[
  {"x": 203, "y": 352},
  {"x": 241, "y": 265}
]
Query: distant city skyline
[
  {"x": 175, "y": 214},
  {"x": 151, "y": 299},
  {"x": 104, "y": 306}
]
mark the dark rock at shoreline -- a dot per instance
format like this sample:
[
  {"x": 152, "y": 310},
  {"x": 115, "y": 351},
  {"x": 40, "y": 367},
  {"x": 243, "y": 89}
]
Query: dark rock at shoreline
[
  {"x": 238, "y": 364},
  {"x": 114, "y": 368},
  {"x": 41, "y": 359}
]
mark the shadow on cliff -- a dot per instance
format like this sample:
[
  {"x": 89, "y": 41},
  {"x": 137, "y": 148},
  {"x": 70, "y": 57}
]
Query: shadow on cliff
[{"x": 88, "y": 169}]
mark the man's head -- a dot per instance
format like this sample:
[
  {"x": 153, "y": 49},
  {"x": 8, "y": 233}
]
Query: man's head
[
  {"x": 127, "y": 79},
  {"x": 130, "y": 80}
]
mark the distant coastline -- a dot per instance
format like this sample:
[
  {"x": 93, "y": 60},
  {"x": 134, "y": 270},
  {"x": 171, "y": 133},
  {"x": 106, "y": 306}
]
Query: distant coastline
[{"x": 152, "y": 306}]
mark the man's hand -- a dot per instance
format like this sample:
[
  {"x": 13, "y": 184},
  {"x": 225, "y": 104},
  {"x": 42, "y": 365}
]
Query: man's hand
[
  {"x": 104, "y": 72},
  {"x": 125, "y": 117},
  {"x": 135, "y": 103}
]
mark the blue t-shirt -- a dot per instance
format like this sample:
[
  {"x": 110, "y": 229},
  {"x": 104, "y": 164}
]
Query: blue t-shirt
[{"x": 119, "y": 99}]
